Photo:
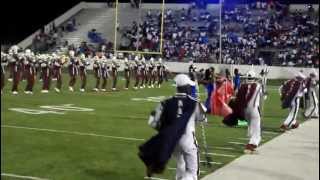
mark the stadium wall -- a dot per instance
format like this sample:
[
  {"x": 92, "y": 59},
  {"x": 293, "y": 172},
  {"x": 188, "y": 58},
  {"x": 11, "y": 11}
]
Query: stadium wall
[{"x": 275, "y": 72}]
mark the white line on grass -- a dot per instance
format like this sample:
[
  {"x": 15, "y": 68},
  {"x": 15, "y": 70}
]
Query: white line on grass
[
  {"x": 223, "y": 148},
  {"x": 217, "y": 154},
  {"x": 73, "y": 132},
  {"x": 170, "y": 168},
  {"x": 270, "y": 132},
  {"x": 212, "y": 162},
  {"x": 155, "y": 178},
  {"x": 21, "y": 177},
  {"x": 239, "y": 143}
]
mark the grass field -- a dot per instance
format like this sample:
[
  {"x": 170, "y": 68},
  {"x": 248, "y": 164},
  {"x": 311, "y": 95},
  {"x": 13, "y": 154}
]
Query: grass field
[{"x": 102, "y": 144}]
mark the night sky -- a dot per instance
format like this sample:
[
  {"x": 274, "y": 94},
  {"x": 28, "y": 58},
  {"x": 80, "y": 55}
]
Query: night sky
[{"x": 20, "y": 19}]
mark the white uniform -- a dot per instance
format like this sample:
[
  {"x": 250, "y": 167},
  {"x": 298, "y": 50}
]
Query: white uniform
[
  {"x": 295, "y": 103},
  {"x": 313, "y": 107},
  {"x": 186, "y": 151},
  {"x": 252, "y": 114}
]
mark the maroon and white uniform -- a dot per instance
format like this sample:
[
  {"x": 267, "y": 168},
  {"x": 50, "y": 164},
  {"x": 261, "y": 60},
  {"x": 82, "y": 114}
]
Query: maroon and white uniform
[
  {"x": 104, "y": 73},
  {"x": 83, "y": 64},
  {"x": 127, "y": 72},
  {"x": 4, "y": 63},
  {"x": 97, "y": 72},
  {"x": 16, "y": 65},
  {"x": 247, "y": 106},
  {"x": 114, "y": 70},
  {"x": 30, "y": 72},
  {"x": 57, "y": 64},
  {"x": 291, "y": 91},
  {"x": 73, "y": 71},
  {"x": 45, "y": 73}
]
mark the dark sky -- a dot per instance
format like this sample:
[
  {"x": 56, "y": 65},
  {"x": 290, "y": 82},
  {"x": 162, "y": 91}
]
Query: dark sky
[{"x": 20, "y": 19}]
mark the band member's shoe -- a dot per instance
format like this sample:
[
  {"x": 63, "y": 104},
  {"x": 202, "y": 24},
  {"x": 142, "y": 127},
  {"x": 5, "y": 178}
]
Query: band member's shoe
[
  {"x": 57, "y": 90},
  {"x": 284, "y": 128},
  {"x": 71, "y": 89},
  {"x": 294, "y": 126},
  {"x": 250, "y": 149},
  {"x": 95, "y": 89},
  {"x": 149, "y": 87},
  {"x": 44, "y": 91},
  {"x": 135, "y": 87},
  {"x": 103, "y": 90},
  {"x": 28, "y": 92},
  {"x": 152, "y": 86},
  {"x": 159, "y": 86},
  {"x": 10, "y": 79},
  {"x": 126, "y": 88},
  {"x": 82, "y": 90},
  {"x": 114, "y": 89},
  {"x": 141, "y": 87},
  {"x": 14, "y": 92}
]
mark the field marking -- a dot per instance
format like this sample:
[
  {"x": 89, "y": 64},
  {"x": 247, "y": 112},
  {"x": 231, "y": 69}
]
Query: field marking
[
  {"x": 22, "y": 177},
  {"x": 270, "y": 132},
  {"x": 219, "y": 163},
  {"x": 73, "y": 133},
  {"x": 223, "y": 148},
  {"x": 170, "y": 168},
  {"x": 217, "y": 154},
  {"x": 239, "y": 143},
  {"x": 155, "y": 178}
]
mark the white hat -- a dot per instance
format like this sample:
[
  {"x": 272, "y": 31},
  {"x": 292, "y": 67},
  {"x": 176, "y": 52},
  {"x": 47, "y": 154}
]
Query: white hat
[
  {"x": 183, "y": 80},
  {"x": 300, "y": 75},
  {"x": 251, "y": 74}
]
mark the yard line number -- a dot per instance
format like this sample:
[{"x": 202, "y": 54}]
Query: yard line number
[{"x": 52, "y": 109}]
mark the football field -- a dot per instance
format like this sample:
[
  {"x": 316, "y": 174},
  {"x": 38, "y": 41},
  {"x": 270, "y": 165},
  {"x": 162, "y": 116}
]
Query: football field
[{"x": 84, "y": 136}]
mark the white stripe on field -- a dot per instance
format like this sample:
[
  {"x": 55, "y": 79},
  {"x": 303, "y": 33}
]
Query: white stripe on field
[
  {"x": 216, "y": 154},
  {"x": 21, "y": 177},
  {"x": 176, "y": 169},
  {"x": 224, "y": 148},
  {"x": 211, "y": 162},
  {"x": 270, "y": 132},
  {"x": 239, "y": 143},
  {"x": 155, "y": 178},
  {"x": 72, "y": 132}
]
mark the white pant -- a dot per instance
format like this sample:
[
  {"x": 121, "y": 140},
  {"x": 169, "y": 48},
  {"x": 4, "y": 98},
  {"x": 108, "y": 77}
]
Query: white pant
[
  {"x": 292, "y": 117},
  {"x": 252, "y": 115},
  {"x": 187, "y": 157},
  {"x": 312, "y": 109}
]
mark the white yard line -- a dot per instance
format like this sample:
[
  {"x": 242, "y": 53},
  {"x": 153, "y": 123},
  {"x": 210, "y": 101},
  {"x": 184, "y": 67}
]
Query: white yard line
[
  {"x": 72, "y": 132},
  {"x": 217, "y": 154},
  {"x": 239, "y": 143},
  {"x": 21, "y": 177},
  {"x": 212, "y": 162},
  {"x": 176, "y": 169},
  {"x": 270, "y": 132},
  {"x": 223, "y": 148},
  {"x": 155, "y": 178}
]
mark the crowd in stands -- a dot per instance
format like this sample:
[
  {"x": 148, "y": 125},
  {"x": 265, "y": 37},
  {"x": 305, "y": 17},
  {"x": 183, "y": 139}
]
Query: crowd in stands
[{"x": 257, "y": 33}]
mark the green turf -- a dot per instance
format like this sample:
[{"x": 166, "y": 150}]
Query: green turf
[{"x": 61, "y": 156}]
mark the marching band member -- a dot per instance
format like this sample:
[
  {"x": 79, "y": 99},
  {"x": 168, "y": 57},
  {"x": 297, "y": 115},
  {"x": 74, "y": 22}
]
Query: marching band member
[
  {"x": 312, "y": 110},
  {"x": 57, "y": 64},
  {"x": 137, "y": 71},
  {"x": 4, "y": 63},
  {"x": 30, "y": 70},
  {"x": 160, "y": 72},
  {"x": 73, "y": 69},
  {"x": 127, "y": 73},
  {"x": 114, "y": 69},
  {"x": 246, "y": 106},
  {"x": 15, "y": 61},
  {"x": 45, "y": 73},
  {"x": 83, "y": 63},
  {"x": 291, "y": 91},
  {"x": 104, "y": 72},
  {"x": 97, "y": 72}
]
